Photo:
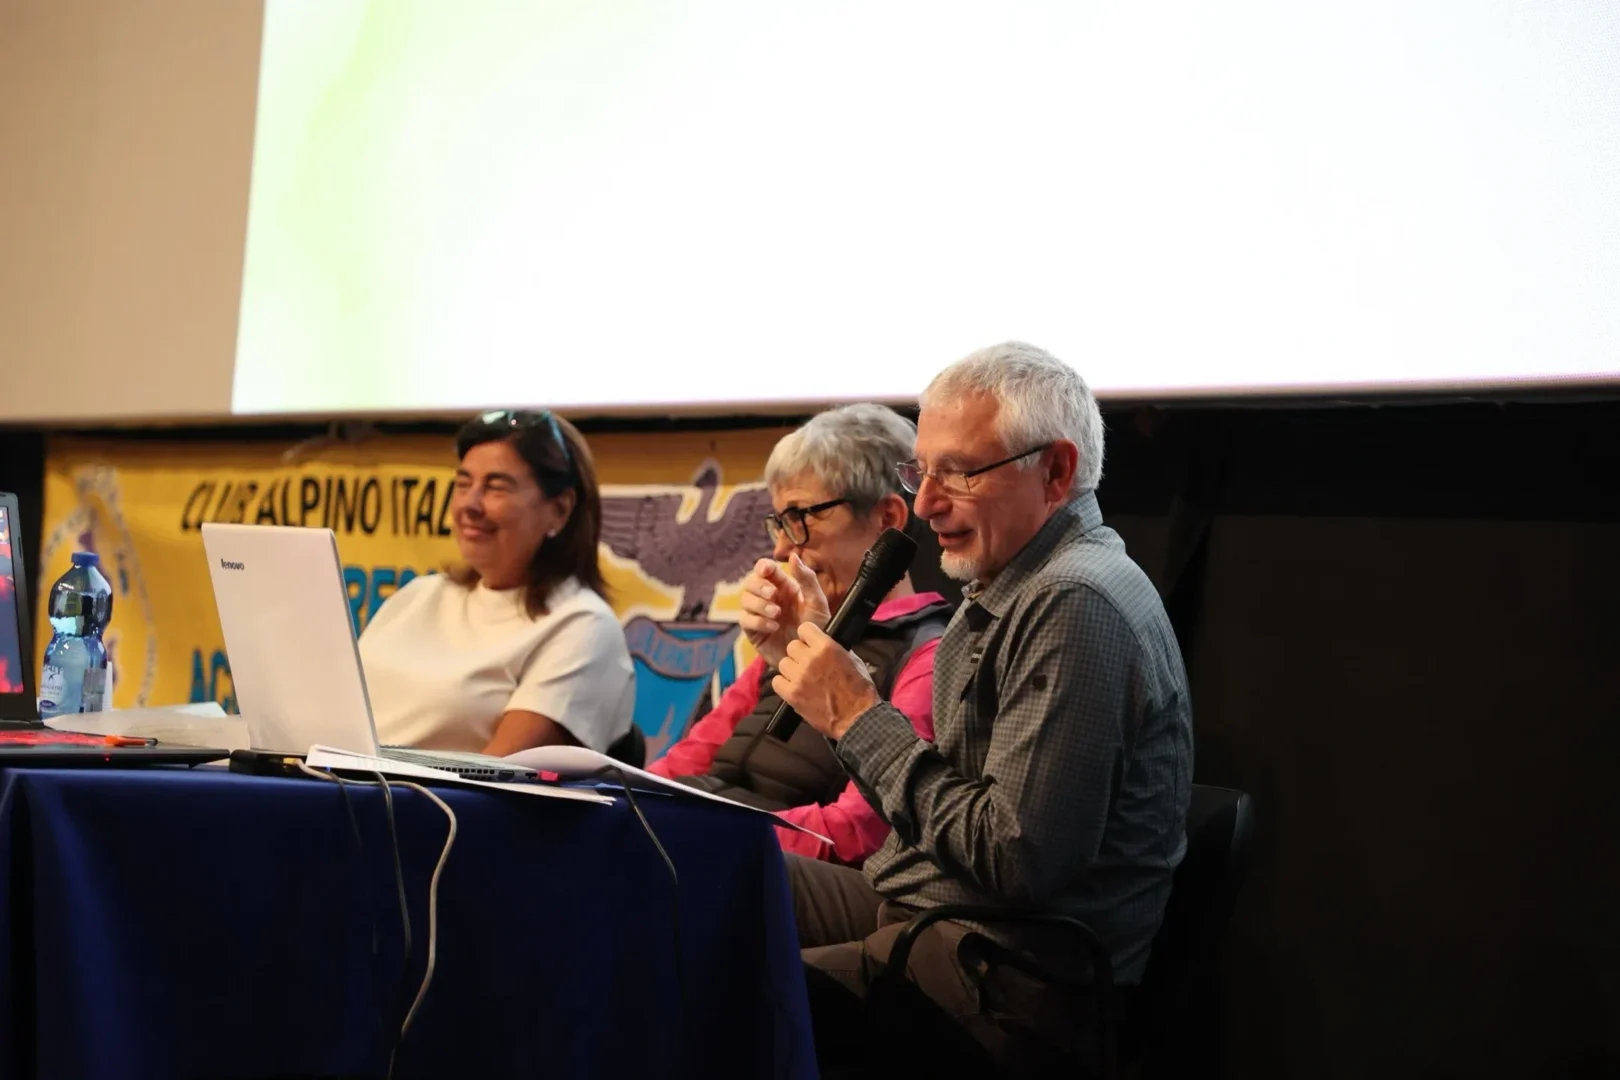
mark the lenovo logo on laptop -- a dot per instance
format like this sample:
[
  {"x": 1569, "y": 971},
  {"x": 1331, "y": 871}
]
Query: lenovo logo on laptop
[{"x": 226, "y": 564}]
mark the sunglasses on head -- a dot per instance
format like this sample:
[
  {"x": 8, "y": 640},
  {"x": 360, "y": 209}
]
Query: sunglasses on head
[{"x": 523, "y": 420}]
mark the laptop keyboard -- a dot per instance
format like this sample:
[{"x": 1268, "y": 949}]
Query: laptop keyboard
[{"x": 472, "y": 766}]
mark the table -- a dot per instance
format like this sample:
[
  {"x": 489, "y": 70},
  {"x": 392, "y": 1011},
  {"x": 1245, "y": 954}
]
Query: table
[{"x": 168, "y": 923}]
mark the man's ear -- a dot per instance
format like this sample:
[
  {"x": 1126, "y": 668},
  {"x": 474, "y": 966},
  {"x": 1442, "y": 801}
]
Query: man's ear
[{"x": 1063, "y": 459}]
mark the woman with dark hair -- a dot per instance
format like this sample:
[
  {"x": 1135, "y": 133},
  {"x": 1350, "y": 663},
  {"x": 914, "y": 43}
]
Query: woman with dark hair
[{"x": 516, "y": 647}]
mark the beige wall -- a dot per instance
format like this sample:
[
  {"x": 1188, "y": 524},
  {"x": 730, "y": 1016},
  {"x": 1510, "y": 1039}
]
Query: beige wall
[{"x": 126, "y": 136}]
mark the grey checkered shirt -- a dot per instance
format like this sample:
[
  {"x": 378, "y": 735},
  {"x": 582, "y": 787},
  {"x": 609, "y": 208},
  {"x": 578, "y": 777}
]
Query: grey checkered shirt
[{"x": 1062, "y": 766}]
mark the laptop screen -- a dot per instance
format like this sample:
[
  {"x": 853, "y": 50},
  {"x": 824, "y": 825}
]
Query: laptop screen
[{"x": 11, "y": 635}]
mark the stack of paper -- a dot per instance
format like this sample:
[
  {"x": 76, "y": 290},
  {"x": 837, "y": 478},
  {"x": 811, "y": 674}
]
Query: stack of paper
[
  {"x": 578, "y": 763},
  {"x": 325, "y": 757},
  {"x": 566, "y": 762}
]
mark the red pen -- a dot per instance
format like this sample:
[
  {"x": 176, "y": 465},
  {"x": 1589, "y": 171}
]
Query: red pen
[{"x": 127, "y": 740}]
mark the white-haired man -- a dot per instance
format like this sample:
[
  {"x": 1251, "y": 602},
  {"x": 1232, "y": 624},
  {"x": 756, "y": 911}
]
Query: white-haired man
[{"x": 1062, "y": 764}]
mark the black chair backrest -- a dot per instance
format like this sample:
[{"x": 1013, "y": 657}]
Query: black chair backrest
[
  {"x": 630, "y": 748},
  {"x": 1219, "y": 824}
]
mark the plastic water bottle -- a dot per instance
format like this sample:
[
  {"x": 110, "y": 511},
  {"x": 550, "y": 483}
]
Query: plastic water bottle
[{"x": 75, "y": 675}]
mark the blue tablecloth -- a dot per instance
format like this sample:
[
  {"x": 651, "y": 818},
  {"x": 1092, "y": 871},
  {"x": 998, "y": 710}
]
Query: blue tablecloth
[{"x": 164, "y": 923}]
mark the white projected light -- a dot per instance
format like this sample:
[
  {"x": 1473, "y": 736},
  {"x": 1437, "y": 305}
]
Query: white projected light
[{"x": 664, "y": 204}]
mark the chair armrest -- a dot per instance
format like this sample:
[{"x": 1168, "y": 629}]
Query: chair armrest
[{"x": 1102, "y": 968}]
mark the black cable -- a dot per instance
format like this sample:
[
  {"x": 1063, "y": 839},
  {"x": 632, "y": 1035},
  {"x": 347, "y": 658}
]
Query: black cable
[
  {"x": 399, "y": 869},
  {"x": 354, "y": 822},
  {"x": 371, "y": 902},
  {"x": 433, "y": 913},
  {"x": 675, "y": 881},
  {"x": 783, "y": 1014},
  {"x": 397, "y": 1028}
]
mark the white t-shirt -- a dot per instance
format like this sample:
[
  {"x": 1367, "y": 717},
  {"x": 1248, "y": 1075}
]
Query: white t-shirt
[{"x": 443, "y": 663}]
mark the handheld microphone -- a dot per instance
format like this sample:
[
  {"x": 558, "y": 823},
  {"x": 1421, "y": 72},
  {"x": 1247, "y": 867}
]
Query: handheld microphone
[{"x": 884, "y": 564}]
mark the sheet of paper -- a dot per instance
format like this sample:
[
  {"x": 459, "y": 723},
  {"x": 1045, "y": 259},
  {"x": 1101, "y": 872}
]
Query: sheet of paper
[
  {"x": 200, "y": 724},
  {"x": 578, "y": 762},
  {"x": 325, "y": 757},
  {"x": 109, "y": 718}
]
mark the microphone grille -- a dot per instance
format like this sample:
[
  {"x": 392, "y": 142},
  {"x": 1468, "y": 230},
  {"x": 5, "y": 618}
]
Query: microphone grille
[{"x": 891, "y": 557}]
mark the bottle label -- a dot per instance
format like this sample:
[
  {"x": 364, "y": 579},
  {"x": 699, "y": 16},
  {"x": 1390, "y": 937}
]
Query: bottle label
[
  {"x": 95, "y": 682},
  {"x": 51, "y": 684}
]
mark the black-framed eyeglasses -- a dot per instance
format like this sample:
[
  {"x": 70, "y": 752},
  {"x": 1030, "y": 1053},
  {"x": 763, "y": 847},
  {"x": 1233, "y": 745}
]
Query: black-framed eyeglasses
[
  {"x": 953, "y": 482},
  {"x": 791, "y": 521},
  {"x": 524, "y": 419}
]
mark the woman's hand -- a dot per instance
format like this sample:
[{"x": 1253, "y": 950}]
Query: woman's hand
[{"x": 775, "y": 600}]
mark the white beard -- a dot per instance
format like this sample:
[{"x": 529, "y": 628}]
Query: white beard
[{"x": 958, "y": 567}]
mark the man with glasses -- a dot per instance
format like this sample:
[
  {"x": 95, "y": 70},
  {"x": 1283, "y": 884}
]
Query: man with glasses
[
  {"x": 1061, "y": 770},
  {"x": 834, "y": 490}
]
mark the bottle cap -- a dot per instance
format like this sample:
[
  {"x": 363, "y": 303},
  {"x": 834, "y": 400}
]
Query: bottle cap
[{"x": 86, "y": 558}]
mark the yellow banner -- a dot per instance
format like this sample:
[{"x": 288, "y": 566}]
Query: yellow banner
[{"x": 683, "y": 520}]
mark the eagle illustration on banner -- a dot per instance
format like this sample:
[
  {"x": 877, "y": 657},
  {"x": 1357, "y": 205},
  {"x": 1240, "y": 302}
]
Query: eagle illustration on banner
[
  {"x": 697, "y": 541},
  {"x": 688, "y": 538}
]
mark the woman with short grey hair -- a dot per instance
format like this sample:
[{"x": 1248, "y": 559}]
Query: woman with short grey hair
[
  {"x": 852, "y": 449},
  {"x": 834, "y": 490}
]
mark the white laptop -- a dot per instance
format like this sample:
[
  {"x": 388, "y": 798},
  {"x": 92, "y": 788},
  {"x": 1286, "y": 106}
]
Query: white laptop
[{"x": 295, "y": 662}]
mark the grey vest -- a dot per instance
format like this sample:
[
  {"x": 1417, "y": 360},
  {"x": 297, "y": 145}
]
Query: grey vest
[{"x": 754, "y": 768}]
